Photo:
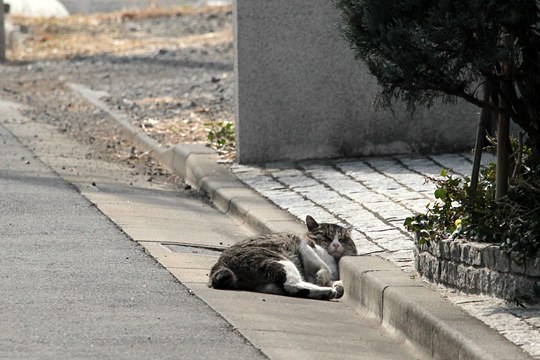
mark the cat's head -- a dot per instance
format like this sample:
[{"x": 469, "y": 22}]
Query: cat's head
[{"x": 335, "y": 239}]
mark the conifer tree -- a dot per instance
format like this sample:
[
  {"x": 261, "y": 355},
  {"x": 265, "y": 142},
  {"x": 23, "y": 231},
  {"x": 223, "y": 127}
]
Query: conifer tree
[{"x": 421, "y": 50}]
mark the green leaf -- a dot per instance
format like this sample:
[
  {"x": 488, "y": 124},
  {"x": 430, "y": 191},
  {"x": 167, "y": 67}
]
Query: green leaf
[{"x": 440, "y": 194}]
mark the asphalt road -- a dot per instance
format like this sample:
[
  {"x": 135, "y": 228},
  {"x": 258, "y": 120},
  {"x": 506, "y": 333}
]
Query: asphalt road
[{"x": 93, "y": 6}]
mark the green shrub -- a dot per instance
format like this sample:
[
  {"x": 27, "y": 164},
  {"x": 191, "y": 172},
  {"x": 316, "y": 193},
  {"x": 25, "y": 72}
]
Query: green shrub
[
  {"x": 420, "y": 50},
  {"x": 513, "y": 223}
]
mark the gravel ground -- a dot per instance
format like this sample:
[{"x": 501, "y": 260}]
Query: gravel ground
[{"x": 170, "y": 71}]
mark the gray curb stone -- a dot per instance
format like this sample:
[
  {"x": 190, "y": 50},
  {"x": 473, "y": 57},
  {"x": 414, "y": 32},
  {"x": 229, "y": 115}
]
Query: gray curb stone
[
  {"x": 375, "y": 285},
  {"x": 420, "y": 315}
]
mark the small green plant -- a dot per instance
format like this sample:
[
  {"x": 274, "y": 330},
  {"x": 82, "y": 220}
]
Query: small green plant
[{"x": 221, "y": 135}]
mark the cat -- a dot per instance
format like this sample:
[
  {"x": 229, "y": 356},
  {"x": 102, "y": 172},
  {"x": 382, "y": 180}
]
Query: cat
[{"x": 287, "y": 264}]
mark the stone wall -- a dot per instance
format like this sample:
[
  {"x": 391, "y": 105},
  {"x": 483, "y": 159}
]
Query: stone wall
[
  {"x": 300, "y": 94},
  {"x": 478, "y": 268}
]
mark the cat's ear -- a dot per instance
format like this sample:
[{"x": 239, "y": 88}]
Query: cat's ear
[
  {"x": 311, "y": 223},
  {"x": 348, "y": 229}
]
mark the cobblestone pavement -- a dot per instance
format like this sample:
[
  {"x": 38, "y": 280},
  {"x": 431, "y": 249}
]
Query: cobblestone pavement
[{"x": 375, "y": 195}]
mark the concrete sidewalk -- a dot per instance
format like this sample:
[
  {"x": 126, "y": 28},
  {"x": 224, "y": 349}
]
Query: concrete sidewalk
[{"x": 374, "y": 195}]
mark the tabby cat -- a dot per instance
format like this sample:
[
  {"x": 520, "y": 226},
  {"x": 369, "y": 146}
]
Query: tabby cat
[{"x": 287, "y": 264}]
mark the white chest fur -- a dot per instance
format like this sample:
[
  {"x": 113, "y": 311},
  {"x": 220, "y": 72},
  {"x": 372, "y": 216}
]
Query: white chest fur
[{"x": 329, "y": 260}]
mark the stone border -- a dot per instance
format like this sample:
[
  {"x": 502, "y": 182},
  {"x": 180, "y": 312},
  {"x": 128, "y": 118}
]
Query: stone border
[{"x": 478, "y": 268}]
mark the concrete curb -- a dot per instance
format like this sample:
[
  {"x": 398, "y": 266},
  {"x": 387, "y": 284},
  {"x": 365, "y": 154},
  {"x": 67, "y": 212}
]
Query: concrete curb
[
  {"x": 423, "y": 317},
  {"x": 373, "y": 284}
]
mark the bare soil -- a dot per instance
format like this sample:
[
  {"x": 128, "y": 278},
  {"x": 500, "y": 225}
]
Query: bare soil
[{"x": 169, "y": 70}]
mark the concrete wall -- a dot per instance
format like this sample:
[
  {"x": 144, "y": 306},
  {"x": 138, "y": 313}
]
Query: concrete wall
[{"x": 301, "y": 95}]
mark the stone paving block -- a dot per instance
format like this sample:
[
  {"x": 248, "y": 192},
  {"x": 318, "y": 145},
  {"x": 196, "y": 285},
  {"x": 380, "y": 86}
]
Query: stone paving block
[
  {"x": 475, "y": 254},
  {"x": 518, "y": 268},
  {"x": 366, "y": 247},
  {"x": 348, "y": 207},
  {"x": 276, "y": 166},
  {"x": 461, "y": 276},
  {"x": 455, "y": 162},
  {"x": 320, "y": 215},
  {"x": 367, "y": 197},
  {"x": 285, "y": 172},
  {"x": 321, "y": 172},
  {"x": 286, "y": 199},
  {"x": 383, "y": 164},
  {"x": 382, "y": 184},
  {"x": 317, "y": 166},
  {"x": 402, "y": 194},
  {"x": 442, "y": 249},
  {"x": 322, "y": 196},
  {"x": 416, "y": 206},
  {"x": 389, "y": 211},
  {"x": 365, "y": 221},
  {"x": 421, "y": 164},
  {"x": 354, "y": 168},
  {"x": 320, "y": 193},
  {"x": 401, "y": 256},
  {"x": 487, "y": 158},
  {"x": 240, "y": 169},
  {"x": 385, "y": 234},
  {"x": 261, "y": 182},
  {"x": 455, "y": 252},
  {"x": 297, "y": 181},
  {"x": 495, "y": 259},
  {"x": 395, "y": 244},
  {"x": 346, "y": 186}
]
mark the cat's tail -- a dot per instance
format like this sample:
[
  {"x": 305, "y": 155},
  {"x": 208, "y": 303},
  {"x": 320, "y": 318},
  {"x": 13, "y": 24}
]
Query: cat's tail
[{"x": 223, "y": 278}]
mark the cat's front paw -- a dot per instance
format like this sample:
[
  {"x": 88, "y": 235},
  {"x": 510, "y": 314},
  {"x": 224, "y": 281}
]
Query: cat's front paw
[
  {"x": 340, "y": 290},
  {"x": 323, "y": 278}
]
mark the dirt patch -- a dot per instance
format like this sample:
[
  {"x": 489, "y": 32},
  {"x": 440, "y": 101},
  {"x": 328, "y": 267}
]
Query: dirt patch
[
  {"x": 122, "y": 33},
  {"x": 168, "y": 70}
]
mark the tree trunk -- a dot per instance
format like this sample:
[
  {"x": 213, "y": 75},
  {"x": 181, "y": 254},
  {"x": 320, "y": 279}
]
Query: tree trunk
[
  {"x": 485, "y": 118},
  {"x": 503, "y": 127},
  {"x": 503, "y": 151}
]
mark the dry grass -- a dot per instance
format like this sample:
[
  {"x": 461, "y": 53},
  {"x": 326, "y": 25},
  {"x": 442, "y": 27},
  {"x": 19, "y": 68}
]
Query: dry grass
[{"x": 86, "y": 35}]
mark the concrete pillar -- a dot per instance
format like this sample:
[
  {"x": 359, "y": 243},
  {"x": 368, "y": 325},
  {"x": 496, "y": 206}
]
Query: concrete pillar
[{"x": 301, "y": 95}]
